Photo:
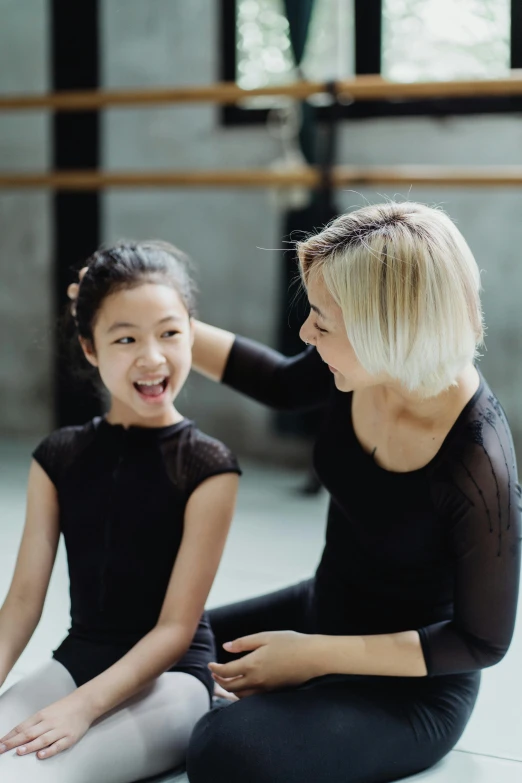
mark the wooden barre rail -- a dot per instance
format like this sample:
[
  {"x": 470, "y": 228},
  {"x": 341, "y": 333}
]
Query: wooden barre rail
[
  {"x": 362, "y": 88},
  {"x": 486, "y": 176}
]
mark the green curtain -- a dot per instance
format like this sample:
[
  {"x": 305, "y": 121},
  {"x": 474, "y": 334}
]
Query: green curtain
[
  {"x": 299, "y": 14},
  {"x": 321, "y": 209}
]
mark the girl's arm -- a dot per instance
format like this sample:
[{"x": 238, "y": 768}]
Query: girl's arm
[
  {"x": 23, "y": 606},
  {"x": 207, "y": 520}
]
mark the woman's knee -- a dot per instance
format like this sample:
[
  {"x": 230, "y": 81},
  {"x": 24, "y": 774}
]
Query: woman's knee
[
  {"x": 250, "y": 740},
  {"x": 225, "y": 745}
]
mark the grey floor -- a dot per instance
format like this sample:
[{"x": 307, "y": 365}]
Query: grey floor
[{"x": 276, "y": 540}]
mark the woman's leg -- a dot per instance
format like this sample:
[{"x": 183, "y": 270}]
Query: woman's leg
[
  {"x": 147, "y": 735},
  {"x": 290, "y": 609},
  {"x": 336, "y": 729}
]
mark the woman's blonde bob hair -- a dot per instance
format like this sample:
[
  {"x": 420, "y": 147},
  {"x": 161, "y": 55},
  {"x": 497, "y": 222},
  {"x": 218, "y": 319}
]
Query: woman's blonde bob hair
[{"x": 408, "y": 287}]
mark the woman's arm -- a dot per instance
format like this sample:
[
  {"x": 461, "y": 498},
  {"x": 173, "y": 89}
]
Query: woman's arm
[
  {"x": 23, "y": 605},
  {"x": 211, "y": 350},
  {"x": 280, "y": 659},
  {"x": 387, "y": 655},
  {"x": 287, "y": 383},
  {"x": 207, "y": 520}
]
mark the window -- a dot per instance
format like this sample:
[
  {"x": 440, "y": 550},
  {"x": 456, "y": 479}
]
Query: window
[
  {"x": 428, "y": 40},
  {"x": 405, "y": 40},
  {"x": 263, "y": 52}
]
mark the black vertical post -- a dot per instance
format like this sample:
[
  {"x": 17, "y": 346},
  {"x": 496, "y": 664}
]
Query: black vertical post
[
  {"x": 368, "y": 36},
  {"x": 76, "y": 215},
  {"x": 516, "y": 34}
]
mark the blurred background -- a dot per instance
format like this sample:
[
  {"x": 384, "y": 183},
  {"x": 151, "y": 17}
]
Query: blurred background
[
  {"x": 239, "y": 237},
  {"x": 236, "y": 236}
]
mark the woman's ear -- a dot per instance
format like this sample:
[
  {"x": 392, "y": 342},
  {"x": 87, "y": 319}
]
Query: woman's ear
[{"x": 88, "y": 351}]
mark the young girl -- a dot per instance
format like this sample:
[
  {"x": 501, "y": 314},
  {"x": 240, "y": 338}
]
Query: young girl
[{"x": 144, "y": 501}]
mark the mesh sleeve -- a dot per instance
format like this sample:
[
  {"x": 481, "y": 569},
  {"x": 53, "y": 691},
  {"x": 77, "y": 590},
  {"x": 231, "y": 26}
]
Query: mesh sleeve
[
  {"x": 481, "y": 497},
  {"x": 57, "y": 451},
  {"x": 197, "y": 458},
  {"x": 45, "y": 455},
  {"x": 287, "y": 383}
]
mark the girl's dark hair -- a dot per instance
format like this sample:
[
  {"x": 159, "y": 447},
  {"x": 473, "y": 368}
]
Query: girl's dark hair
[
  {"x": 110, "y": 269},
  {"x": 127, "y": 265}
]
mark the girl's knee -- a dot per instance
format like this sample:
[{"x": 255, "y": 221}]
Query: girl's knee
[{"x": 27, "y": 769}]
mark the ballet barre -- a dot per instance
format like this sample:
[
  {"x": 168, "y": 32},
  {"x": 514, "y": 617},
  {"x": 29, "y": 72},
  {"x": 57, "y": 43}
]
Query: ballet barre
[
  {"x": 309, "y": 177},
  {"x": 361, "y": 88}
]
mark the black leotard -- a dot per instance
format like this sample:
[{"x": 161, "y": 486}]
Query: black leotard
[
  {"x": 435, "y": 549},
  {"x": 122, "y": 495}
]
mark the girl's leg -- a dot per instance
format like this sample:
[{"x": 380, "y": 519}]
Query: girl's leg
[
  {"x": 290, "y": 609},
  {"x": 147, "y": 735},
  {"x": 336, "y": 729},
  {"x": 44, "y": 686}
]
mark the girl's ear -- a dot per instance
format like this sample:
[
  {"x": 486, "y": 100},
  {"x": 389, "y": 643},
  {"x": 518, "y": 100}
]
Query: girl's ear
[
  {"x": 88, "y": 351},
  {"x": 192, "y": 331}
]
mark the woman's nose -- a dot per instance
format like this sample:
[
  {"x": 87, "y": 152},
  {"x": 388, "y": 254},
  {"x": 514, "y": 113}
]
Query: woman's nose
[{"x": 306, "y": 333}]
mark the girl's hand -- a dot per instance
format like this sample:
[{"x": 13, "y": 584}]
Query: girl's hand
[
  {"x": 51, "y": 730},
  {"x": 279, "y": 659}
]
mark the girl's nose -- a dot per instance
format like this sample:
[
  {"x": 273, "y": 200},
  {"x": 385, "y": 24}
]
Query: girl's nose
[{"x": 151, "y": 357}]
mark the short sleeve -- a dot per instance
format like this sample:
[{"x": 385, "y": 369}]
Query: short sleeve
[
  {"x": 56, "y": 452},
  {"x": 45, "y": 455},
  {"x": 480, "y": 498},
  {"x": 197, "y": 458}
]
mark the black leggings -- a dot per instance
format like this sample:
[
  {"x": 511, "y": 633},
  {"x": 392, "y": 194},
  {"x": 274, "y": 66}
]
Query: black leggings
[{"x": 336, "y": 729}]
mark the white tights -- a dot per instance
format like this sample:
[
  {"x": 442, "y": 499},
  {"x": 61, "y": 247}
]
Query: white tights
[{"x": 145, "y": 736}]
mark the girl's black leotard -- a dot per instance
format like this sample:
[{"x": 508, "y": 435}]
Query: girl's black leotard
[
  {"x": 435, "y": 549},
  {"x": 122, "y": 495}
]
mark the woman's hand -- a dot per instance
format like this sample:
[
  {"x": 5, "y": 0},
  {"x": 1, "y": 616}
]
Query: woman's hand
[
  {"x": 48, "y": 732},
  {"x": 279, "y": 659},
  {"x": 72, "y": 290},
  {"x": 221, "y": 693}
]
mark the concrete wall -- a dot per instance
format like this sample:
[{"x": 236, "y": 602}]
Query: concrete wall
[
  {"x": 164, "y": 43},
  {"x": 25, "y": 242},
  {"x": 232, "y": 234}
]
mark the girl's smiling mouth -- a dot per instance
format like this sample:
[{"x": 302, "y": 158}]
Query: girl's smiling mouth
[{"x": 152, "y": 390}]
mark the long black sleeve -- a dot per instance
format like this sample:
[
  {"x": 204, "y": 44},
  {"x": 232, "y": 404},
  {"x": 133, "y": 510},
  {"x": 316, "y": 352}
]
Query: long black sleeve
[
  {"x": 480, "y": 496},
  {"x": 296, "y": 383},
  {"x": 436, "y": 549}
]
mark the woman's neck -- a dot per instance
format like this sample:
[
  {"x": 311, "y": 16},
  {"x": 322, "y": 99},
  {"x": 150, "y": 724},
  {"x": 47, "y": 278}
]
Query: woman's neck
[{"x": 396, "y": 403}]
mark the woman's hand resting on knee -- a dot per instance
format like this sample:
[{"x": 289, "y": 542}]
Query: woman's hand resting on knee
[
  {"x": 53, "y": 729},
  {"x": 278, "y": 659}
]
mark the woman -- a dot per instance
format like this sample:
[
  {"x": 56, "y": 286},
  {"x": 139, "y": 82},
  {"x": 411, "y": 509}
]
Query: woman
[{"x": 369, "y": 671}]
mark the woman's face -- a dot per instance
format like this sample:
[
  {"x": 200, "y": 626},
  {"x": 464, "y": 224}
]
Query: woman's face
[
  {"x": 142, "y": 348},
  {"x": 324, "y": 328}
]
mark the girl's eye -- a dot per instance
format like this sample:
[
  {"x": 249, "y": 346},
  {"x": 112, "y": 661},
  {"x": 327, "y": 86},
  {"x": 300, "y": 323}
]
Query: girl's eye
[
  {"x": 125, "y": 341},
  {"x": 170, "y": 333}
]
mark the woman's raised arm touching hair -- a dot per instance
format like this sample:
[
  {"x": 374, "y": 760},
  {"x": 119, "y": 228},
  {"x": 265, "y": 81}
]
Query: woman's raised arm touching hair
[{"x": 211, "y": 350}]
